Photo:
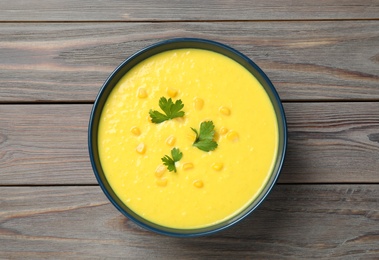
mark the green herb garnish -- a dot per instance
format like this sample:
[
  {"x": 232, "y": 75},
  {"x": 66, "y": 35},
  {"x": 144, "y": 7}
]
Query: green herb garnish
[
  {"x": 170, "y": 162},
  {"x": 171, "y": 110},
  {"x": 204, "y": 138}
]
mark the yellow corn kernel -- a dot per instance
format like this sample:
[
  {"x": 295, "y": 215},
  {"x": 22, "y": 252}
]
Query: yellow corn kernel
[
  {"x": 170, "y": 141},
  {"x": 149, "y": 119},
  {"x": 160, "y": 170},
  {"x": 225, "y": 111},
  {"x": 180, "y": 120},
  {"x": 198, "y": 103},
  {"x": 141, "y": 148},
  {"x": 198, "y": 183},
  {"x": 142, "y": 93},
  {"x": 216, "y": 136},
  {"x": 217, "y": 166},
  {"x": 135, "y": 130},
  {"x": 232, "y": 136},
  {"x": 162, "y": 182},
  {"x": 187, "y": 166},
  {"x": 191, "y": 136},
  {"x": 223, "y": 130},
  {"x": 172, "y": 92}
]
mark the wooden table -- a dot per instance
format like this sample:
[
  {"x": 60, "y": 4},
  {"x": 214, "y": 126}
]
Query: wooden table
[{"x": 323, "y": 58}]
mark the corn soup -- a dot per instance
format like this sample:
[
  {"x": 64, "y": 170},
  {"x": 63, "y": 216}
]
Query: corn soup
[{"x": 207, "y": 187}]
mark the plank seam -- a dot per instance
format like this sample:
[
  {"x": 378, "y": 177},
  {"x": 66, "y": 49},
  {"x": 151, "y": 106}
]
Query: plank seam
[
  {"x": 194, "y": 21},
  {"x": 97, "y": 185},
  {"x": 91, "y": 102}
]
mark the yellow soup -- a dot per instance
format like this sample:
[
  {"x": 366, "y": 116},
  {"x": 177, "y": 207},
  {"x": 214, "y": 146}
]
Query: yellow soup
[{"x": 208, "y": 187}]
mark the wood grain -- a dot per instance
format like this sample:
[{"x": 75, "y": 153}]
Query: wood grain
[
  {"x": 323, "y": 58},
  {"x": 328, "y": 143},
  {"x": 295, "y": 222},
  {"x": 87, "y": 10},
  {"x": 338, "y": 141},
  {"x": 68, "y": 62},
  {"x": 44, "y": 144}
]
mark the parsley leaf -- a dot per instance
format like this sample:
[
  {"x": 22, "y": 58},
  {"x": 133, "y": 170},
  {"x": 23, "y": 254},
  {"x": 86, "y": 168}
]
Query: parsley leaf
[
  {"x": 171, "y": 110},
  {"x": 170, "y": 162},
  {"x": 204, "y": 140}
]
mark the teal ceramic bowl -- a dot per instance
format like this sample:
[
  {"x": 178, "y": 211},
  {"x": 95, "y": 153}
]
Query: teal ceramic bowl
[{"x": 147, "y": 52}]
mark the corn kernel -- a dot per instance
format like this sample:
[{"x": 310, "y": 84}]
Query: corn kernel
[
  {"x": 187, "y": 166},
  {"x": 135, "y": 130},
  {"x": 149, "y": 119},
  {"x": 172, "y": 92},
  {"x": 198, "y": 183},
  {"x": 191, "y": 136},
  {"x": 217, "y": 166},
  {"x": 198, "y": 103},
  {"x": 225, "y": 111},
  {"x": 170, "y": 141},
  {"x": 216, "y": 136},
  {"x": 223, "y": 130},
  {"x": 162, "y": 182},
  {"x": 232, "y": 136},
  {"x": 180, "y": 119},
  {"x": 142, "y": 93},
  {"x": 160, "y": 170},
  {"x": 141, "y": 148}
]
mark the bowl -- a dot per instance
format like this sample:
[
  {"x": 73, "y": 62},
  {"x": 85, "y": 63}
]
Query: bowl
[{"x": 130, "y": 63}]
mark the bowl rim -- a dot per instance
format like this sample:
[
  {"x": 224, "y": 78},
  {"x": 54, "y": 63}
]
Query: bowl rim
[{"x": 180, "y": 43}]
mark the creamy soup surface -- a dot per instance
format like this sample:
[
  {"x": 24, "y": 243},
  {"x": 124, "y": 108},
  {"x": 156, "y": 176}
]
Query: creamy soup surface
[{"x": 207, "y": 187}]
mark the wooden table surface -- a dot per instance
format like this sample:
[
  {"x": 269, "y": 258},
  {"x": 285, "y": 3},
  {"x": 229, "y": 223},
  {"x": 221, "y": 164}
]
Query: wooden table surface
[{"x": 323, "y": 58}]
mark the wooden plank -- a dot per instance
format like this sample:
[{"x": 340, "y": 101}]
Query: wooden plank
[
  {"x": 68, "y": 62},
  {"x": 87, "y": 10},
  {"x": 332, "y": 142},
  {"x": 44, "y": 144},
  {"x": 295, "y": 222},
  {"x": 328, "y": 142}
]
